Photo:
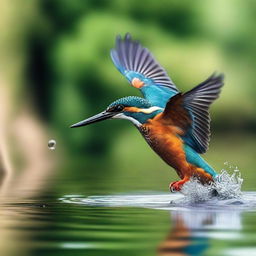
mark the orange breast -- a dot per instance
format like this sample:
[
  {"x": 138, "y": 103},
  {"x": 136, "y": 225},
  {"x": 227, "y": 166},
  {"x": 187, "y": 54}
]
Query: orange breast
[{"x": 165, "y": 141}]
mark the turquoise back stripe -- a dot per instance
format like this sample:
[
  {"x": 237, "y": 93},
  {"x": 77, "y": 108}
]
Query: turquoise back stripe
[{"x": 194, "y": 158}]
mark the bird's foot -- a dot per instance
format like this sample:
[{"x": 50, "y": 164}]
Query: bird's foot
[{"x": 177, "y": 185}]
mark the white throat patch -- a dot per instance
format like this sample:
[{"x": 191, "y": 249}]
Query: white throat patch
[
  {"x": 122, "y": 116},
  {"x": 142, "y": 110}
]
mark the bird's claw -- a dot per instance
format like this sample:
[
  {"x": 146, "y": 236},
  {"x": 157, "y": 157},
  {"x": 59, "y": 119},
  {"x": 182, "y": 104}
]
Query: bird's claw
[{"x": 176, "y": 186}]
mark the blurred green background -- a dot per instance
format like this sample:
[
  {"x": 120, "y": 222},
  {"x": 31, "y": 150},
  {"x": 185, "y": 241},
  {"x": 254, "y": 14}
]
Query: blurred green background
[
  {"x": 55, "y": 70},
  {"x": 55, "y": 57}
]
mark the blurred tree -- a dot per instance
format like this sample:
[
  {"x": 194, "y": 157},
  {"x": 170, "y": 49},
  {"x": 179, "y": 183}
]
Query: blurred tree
[{"x": 72, "y": 75}]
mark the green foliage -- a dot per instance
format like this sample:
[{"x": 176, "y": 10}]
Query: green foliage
[{"x": 191, "y": 39}]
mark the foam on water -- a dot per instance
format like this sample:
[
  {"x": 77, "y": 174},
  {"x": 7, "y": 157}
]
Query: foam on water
[
  {"x": 226, "y": 186},
  {"x": 224, "y": 194}
]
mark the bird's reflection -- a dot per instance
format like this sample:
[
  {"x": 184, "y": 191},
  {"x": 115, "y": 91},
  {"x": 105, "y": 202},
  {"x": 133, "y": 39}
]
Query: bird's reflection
[{"x": 188, "y": 236}]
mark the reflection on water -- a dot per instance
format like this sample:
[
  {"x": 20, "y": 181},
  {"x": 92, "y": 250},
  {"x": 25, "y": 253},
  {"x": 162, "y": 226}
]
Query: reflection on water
[
  {"x": 25, "y": 169},
  {"x": 135, "y": 224},
  {"x": 189, "y": 234},
  {"x": 193, "y": 228}
]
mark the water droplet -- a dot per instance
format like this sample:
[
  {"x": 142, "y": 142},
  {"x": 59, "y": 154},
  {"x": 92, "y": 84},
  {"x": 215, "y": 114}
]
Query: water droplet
[{"x": 52, "y": 144}]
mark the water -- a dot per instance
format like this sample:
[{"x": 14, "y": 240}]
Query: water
[
  {"x": 166, "y": 201},
  {"x": 223, "y": 195},
  {"x": 87, "y": 213},
  {"x": 52, "y": 144}
]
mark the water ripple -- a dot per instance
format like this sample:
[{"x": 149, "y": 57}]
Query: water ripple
[
  {"x": 224, "y": 194},
  {"x": 166, "y": 201}
]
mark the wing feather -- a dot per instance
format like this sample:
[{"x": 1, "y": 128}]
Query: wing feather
[
  {"x": 193, "y": 107},
  {"x": 135, "y": 61}
]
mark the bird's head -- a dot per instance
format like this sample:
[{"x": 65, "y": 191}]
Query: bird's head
[{"x": 135, "y": 109}]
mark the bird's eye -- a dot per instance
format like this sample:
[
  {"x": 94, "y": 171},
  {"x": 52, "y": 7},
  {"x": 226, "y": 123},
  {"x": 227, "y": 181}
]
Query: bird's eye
[{"x": 117, "y": 108}]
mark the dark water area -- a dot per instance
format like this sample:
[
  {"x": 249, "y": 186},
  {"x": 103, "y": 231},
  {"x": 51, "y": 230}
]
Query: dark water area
[{"x": 134, "y": 223}]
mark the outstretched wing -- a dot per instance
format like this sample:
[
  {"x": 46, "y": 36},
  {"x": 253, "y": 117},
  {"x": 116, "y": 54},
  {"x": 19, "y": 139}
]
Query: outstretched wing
[
  {"x": 190, "y": 112},
  {"x": 138, "y": 65}
]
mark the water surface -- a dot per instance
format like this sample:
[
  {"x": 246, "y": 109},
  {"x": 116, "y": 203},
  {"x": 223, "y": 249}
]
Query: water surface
[
  {"x": 138, "y": 223},
  {"x": 100, "y": 209}
]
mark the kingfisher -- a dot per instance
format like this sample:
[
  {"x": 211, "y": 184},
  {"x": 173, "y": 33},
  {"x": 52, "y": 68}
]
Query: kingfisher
[{"x": 176, "y": 125}]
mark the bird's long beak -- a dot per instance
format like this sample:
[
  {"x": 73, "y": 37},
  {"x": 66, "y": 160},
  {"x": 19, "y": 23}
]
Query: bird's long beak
[{"x": 99, "y": 117}]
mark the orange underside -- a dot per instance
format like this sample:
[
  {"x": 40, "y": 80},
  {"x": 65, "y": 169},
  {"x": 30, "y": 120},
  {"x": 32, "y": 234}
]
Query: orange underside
[
  {"x": 169, "y": 146},
  {"x": 132, "y": 109}
]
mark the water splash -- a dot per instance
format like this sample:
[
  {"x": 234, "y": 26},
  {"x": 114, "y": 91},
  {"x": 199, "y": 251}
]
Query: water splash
[
  {"x": 229, "y": 185},
  {"x": 226, "y": 186},
  {"x": 224, "y": 194}
]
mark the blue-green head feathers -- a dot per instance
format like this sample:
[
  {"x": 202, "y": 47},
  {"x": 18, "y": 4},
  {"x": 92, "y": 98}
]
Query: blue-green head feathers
[
  {"x": 128, "y": 107},
  {"x": 131, "y": 101}
]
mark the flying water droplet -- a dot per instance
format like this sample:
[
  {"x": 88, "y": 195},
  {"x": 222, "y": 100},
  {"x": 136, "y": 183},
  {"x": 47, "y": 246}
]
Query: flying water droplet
[{"x": 52, "y": 144}]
